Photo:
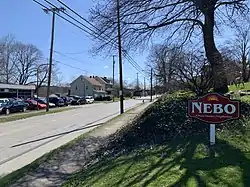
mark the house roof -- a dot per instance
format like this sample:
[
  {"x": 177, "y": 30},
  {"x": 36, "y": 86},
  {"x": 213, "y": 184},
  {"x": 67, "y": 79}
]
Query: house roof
[
  {"x": 92, "y": 81},
  {"x": 103, "y": 80},
  {"x": 100, "y": 80},
  {"x": 19, "y": 87},
  {"x": 106, "y": 80}
]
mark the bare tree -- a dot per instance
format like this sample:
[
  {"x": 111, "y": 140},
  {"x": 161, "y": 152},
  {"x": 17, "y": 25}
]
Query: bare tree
[
  {"x": 194, "y": 71},
  {"x": 143, "y": 20},
  {"x": 7, "y": 62},
  {"x": 57, "y": 76},
  {"x": 240, "y": 48},
  {"x": 185, "y": 67},
  {"x": 161, "y": 59},
  {"x": 27, "y": 59},
  {"x": 232, "y": 64}
]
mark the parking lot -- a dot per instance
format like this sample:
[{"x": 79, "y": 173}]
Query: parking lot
[{"x": 19, "y": 105}]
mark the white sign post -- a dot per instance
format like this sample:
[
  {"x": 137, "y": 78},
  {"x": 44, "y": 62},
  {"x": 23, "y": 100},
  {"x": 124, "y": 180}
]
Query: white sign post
[{"x": 212, "y": 134}]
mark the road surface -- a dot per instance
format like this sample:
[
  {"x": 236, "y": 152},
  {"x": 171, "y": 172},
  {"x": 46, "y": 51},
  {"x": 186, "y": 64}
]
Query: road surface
[{"x": 23, "y": 141}]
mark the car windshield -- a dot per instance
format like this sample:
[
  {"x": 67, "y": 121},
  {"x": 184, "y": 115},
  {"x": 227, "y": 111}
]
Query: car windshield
[
  {"x": 33, "y": 102},
  {"x": 42, "y": 100},
  {"x": 4, "y": 100},
  {"x": 89, "y": 97}
]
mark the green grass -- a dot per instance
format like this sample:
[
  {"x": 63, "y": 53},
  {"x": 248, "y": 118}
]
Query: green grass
[
  {"x": 234, "y": 88},
  {"x": 168, "y": 149},
  {"x": 14, "y": 117},
  {"x": 181, "y": 163}
]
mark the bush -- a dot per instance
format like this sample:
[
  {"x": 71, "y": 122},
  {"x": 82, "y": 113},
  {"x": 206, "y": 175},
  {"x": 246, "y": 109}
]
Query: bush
[{"x": 166, "y": 120}]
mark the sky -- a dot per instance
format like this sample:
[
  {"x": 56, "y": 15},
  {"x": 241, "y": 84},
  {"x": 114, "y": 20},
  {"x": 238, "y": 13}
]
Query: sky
[{"x": 30, "y": 24}]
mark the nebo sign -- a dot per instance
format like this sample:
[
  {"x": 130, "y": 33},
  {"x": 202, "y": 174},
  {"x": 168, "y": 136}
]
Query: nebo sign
[{"x": 214, "y": 108}]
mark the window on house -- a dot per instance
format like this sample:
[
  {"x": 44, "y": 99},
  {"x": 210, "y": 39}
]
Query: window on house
[
  {"x": 87, "y": 87},
  {"x": 76, "y": 87}
]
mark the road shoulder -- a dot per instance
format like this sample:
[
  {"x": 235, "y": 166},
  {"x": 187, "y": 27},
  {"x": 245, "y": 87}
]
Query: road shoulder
[{"x": 55, "y": 167}]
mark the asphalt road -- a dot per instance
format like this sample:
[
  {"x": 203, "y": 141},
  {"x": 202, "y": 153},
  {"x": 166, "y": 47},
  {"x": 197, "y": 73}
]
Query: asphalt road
[{"x": 23, "y": 141}]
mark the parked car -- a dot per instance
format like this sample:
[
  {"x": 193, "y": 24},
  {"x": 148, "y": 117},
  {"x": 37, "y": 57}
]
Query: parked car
[
  {"x": 4, "y": 100},
  {"x": 44, "y": 101},
  {"x": 108, "y": 98},
  {"x": 89, "y": 99},
  {"x": 57, "y": 101},
  {"x": 77, "y": 100},
  {"x": 34, "y": 105},
  {"x": 67, "y": 100},
  {"x": 13, "y": 106}
]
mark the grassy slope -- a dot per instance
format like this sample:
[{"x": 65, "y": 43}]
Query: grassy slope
[
  {"x": 152, "y": 158},
  {"x": 246, "y": 87}
]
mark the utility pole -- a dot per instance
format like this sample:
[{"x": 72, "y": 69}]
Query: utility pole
[
  {"x": 53, "y": 10},
  {"x": 151, "y": 85},
  {"x": 120, "y": 55},
  {"x": 113, "y": 77}
]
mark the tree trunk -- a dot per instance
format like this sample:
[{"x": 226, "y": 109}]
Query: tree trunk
[
  {"x": 244, "y": 68},
  {"x": 164, "y": 76},
  {"x": 213, "y": 55}
]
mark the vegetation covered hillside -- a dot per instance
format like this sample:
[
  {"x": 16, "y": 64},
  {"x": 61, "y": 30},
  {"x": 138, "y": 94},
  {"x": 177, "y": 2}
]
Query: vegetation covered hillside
[{"x": 165, "y": 148}]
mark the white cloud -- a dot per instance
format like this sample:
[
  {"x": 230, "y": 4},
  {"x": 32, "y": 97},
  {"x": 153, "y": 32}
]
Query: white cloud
[
  {"x": 128, "y": 79},
  {"x": 105, "y": 67}
]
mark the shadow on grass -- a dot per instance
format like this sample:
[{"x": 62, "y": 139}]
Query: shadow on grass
[
  {"x": 176, "y": 164},
  {"x": 165, "y": 148}
]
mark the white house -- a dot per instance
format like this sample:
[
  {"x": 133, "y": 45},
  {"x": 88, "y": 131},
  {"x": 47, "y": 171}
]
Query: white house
[{"x": 86, "y": 86}]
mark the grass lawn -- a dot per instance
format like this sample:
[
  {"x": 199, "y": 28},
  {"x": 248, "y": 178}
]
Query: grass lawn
[
  {"x": 167, "y": 149},
  {"x": 233, "y": 87},
  {"x": 14, "y": 117}
]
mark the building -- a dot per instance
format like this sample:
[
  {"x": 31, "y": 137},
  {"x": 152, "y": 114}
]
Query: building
[
  {"x": 57, "y": 90},
  {"x": 87, "y": 86},
  {"x": 18, "y": 91},
  {"x": 107, "y": 85}
]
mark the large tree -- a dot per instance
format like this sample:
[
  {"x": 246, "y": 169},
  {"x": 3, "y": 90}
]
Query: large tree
[
  {"x": 161, "y": 59},
  {"x": 7, "y": 61},
  {"x": 27, "y": 59},
  {"x": 24, "y": 63},
  {"x": 239, "y": 47},
  {"x": 142, "y": 20}
]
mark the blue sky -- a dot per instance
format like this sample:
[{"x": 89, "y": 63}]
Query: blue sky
[{"x": 29, "y": 24}]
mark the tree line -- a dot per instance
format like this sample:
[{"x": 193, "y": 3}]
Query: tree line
[
  {"x": 23, "y": 63},
  {"x": 176, "y": 22},
  {"x": 179, "y": 66}
]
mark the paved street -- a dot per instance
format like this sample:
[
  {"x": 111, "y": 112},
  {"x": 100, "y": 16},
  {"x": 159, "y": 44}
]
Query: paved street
[{"x": 23, "y": 141}]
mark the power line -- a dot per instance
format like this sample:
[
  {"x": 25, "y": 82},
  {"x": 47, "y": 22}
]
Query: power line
[
  {"x": 59, "y": 62},
  {"x": 84, "y": 19},
  {"x": 69, "y": 57},
  {"x": 74, "y": 20},
  {"x": 131, "y": 59},
  {"x": 76, "y": 60},
  {"x": 127, "y": 56},
  {"x": 63, "y": 18}
]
